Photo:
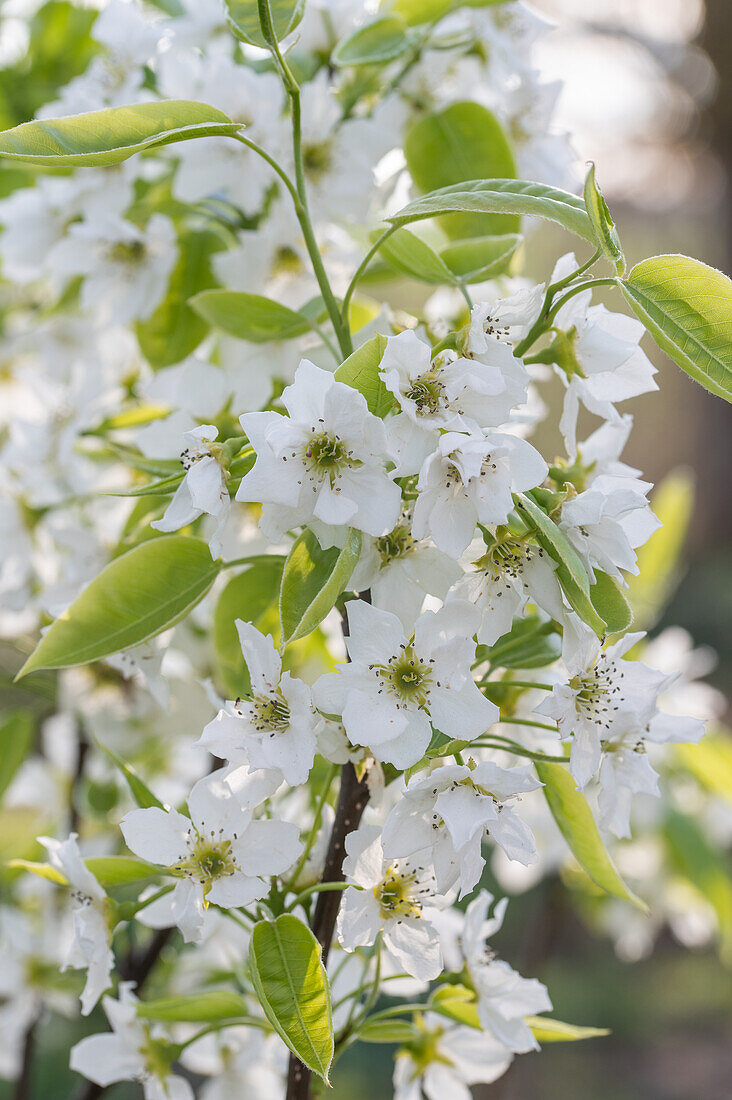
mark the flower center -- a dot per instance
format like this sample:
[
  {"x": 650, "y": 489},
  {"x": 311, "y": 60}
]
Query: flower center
[
  {"x": 316, "y": 159},
  {"x": 327, "y": 455},
  {"x": 270, "y": 713},
  {"x": 407, "y": 677},
  {"x": 395, "y": 894},
  {"x": 397, "y": 544},
  {"x": 127, "y": 252},
  {"x": 427, "y": 392},
  {"x": 209, "y": 858},
  {"x": 598, "y": 692}
]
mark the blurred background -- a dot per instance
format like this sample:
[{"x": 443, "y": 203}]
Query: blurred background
[{"x": 648, "y": 96}]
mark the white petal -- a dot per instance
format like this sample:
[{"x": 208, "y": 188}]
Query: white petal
[{"x": 155, "y": 835}]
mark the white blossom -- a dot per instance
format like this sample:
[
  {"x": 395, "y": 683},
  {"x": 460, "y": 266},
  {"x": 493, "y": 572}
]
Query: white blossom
[
  {"x": 275, "y": 726},
  {"x": 395, "y": 686},
  {"x": 324, "y": 461},
  {"x": 222, "y": 853}
]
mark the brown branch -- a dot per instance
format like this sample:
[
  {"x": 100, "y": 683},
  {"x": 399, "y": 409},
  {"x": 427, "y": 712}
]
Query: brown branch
[{"x": 22, "y": 1089}]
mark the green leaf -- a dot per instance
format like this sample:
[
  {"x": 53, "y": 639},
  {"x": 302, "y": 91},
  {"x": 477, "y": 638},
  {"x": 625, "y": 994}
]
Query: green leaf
[
  {"x": 464, "y": 141},
  {"x": 706, "y": 868},
  {"x": 292, "y": 985},
  {"x": 16, "y": 740},
  {"x": 138, "y": 595},
  {"x": 43, "y": 870},
  {"x": 244, "y": 19},
  {"x": 417, "y": 12},
  {"x": 710, "y": 762},
  {"x": 606, "y": 234},
  {"x": 312, "y": 581},
  {"x": 198, "y": 1008},
  {"x": 139, "y": 790},
  {"x": 410, "y": 255},
  {"x": 570, "y": 571},
  {"x": 387, "y": 1031},
  {"x": 112, "y": 135},
  {"x": 659, "y": 560},
  {"x": 530, "y": 643},
  {"x": 480, "y": 258},
  {"x": 573, "y": 815},
  {"x": 547, "y": 1030},
  {"x": 687, "y": 308},
  {"x": 249, "y": 316},
  {"x": 120, "y": 870},
  {"x": 501, "y": 196},
  {"x": 361, "y": 371},
  {"x": 376, "y": 43},
  {"x": 610, "y": 603},
  {"x": 174, "y": 330},
  {"x": 247, "y": 596}
]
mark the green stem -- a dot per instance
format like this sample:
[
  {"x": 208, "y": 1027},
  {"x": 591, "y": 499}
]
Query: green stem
[
  {"x": 590, "y": 284},
  {"x": 319, "y": 888},
  {"x": 317, "y": 818},
  {"x": 252, "y": 559},
  {"x": 249, "y": 1021},
  {"x": 540, "y": 324},
  {"x": 519, "y": 750},
  {"x": 362, "y": 268},
  {"x": 515, "y": 683},
  {"x": 527, "y": 722},
  {"x": 140, "y": 905}
]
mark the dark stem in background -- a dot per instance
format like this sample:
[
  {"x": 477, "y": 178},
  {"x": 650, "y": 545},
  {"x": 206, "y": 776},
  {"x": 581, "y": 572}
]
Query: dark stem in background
[
  {"x": 135, "y": 967},
  {"x": 352, "y": 798},
  {"x": 22, "y": 1090}
]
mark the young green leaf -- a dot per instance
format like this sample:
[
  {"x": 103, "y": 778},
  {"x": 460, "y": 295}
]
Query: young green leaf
[
  {"x": 387, "y": 1031},
  {"x": 605, "y": 232},
  {"x": 43, "y": 870},
  {"x": 292, "y": 985},
  {"x": 16, "y": 739},
  {"x": 464, "y": 141},
  {"x": 706, "y": 868},
  {"x": 687, "y": 308},
  {"x": 416, "y": 12},
  {"x": 361, "y": 371},
  {"x": 610, "y": 603},
  {"x": 376, "y": 43},
  {"x": 573, "y": 815},
  {"x": 571, "y": 572},
  {"x": 412, "y": 256},
  {"x": 501, "y": 196},
  {"x": 197, "y": 1008},
  {"x": 249, "y": 316},
  {"x": 174, "y": 330},
  {"x": 112, "y": 135},
  {"x": 245, "y": 23},
  {"x": 659, "y": 560},
  {"x": 312, "y": 581},
  {"x": 139, "y": 790},
  {"x": 138, "y": 595},
  {"x": 480, "y": 258},
  {"x": 247, "y": 596},
  {"x": 530, "y": 643},
  {"x": 548, "y": 1030},
  {"x": 710, "y": 762},
  {"x": 119, "y": 870}
]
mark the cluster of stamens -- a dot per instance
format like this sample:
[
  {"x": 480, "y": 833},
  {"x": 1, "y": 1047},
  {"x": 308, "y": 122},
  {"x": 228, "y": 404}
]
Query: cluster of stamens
[
  {"x": 397, "y": 544},
  {"x": 427, "y": 392},
  {"x": 209, "y": 856},
  {"x": 407, "y": 677},
  {"x": 402, "y": 891},
  {"x": 325, "y": 455},
  {"x": 598, "y": 692},
  {"x": 268, "y": 713}
]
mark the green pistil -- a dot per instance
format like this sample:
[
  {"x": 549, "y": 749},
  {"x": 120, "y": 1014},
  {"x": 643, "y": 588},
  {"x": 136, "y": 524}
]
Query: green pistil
[
  {"x": 316, "y": 159},
  {"x": 397, "y": 544},
  {"x": 426, "y": 392},
  {"x": 327, "y": 455},
  {"x": 394, "y": 895},
  {"x": 209, "y": 859},
  {"x": 270, "y": 712},
  {"x": 127, "y": 252},
  {"x": 407, "y": 677}
]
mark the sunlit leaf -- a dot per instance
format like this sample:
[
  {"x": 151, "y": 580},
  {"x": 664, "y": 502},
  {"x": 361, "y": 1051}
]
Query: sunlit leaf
[
  {"x": 361, "y": 371},
  {"x": 376, "y": 43},
  {"x": 113, "y": 134},
  {"x": 687, "y": 308},
  {"x": 199, "y": 1008},
  {"x": 138, "y": 595},
  {"x": 312, "y": 581},
  {"x": 292, "y": 985},
  {"x": 249, "y": 316}
]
